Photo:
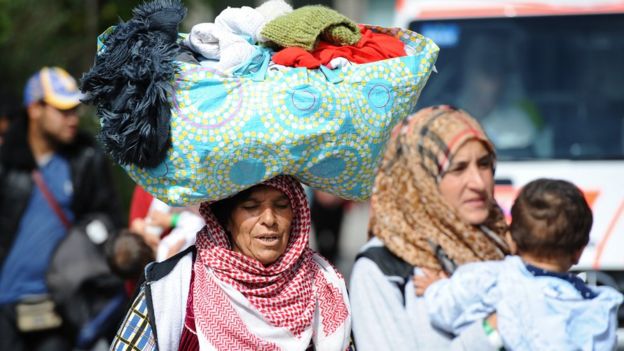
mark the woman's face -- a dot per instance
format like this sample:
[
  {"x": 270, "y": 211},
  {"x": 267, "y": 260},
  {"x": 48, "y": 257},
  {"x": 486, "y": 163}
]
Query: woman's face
[
  {"x": 468, "y": 184},
  {"x": 260, "y": 224}
]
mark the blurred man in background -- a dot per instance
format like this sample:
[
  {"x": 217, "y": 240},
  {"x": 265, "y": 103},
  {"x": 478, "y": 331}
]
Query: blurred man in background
[
  {"x": 6, "y": 113},
  {"x": 52, "y": 177}
]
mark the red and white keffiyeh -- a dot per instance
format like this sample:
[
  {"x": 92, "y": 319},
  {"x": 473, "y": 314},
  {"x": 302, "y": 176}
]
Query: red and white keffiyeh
[{"x": 241, "y": 304}]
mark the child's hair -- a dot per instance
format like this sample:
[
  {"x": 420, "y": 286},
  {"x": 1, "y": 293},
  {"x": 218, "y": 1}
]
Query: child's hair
[
  {"x": 128, "y": 254},
  {"x": 550, "y": 218}
]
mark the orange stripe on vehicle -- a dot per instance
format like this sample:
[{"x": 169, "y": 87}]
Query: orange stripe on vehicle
[
  {"x": 399, "y": 4},
  {"x": 517, "y": 10},
  {"x": 603, "y": 242},
  {"x": 591, "y": 196}
]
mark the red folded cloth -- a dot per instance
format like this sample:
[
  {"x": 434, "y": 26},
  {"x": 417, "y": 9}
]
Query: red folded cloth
[{"x": 372, "y": 47}]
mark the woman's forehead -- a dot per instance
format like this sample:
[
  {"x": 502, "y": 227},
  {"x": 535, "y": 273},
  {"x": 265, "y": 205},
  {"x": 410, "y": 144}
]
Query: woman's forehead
[
  {"x": 472, "y": 147},
  {"x": 262, "y": 191}
]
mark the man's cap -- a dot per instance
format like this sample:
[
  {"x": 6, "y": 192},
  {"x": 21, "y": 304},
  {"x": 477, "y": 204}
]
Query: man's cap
[{"x": 54, "y": 86}]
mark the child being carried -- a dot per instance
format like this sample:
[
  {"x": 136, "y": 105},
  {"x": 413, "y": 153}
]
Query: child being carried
[{"x": 530, "y": 301}]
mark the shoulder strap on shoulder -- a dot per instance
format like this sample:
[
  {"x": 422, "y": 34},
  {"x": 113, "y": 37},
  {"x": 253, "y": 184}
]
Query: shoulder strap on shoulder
[
  {"x": 388, "y": 263},
  {"x": 157, "y": 270}
]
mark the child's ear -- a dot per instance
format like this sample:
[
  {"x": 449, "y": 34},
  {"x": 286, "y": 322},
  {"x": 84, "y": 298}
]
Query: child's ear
[{"x": 576, "y": 256}]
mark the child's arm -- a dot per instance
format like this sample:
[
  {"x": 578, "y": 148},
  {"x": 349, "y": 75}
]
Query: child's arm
[
  {"x": 466, "y": 297},
  {"x": 423, "y": 281}
]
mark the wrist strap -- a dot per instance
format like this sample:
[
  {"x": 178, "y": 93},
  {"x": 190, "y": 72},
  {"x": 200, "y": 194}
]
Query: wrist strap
[
  {"x": 493, "y": 335},
  {"x": 38, "y": 178},
  {"x": 174, "y": 220}
]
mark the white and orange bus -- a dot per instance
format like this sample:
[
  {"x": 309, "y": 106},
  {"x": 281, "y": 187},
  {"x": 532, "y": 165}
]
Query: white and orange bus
[{"x": 546, "y": 79}]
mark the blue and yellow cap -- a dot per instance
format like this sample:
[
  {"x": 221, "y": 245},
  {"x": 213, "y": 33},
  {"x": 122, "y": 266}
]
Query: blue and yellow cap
[{"x": 54, "y": 86}]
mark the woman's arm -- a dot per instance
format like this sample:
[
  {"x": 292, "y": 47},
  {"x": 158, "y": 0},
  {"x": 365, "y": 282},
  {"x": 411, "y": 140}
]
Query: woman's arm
[{"x": 380, "y": 321}]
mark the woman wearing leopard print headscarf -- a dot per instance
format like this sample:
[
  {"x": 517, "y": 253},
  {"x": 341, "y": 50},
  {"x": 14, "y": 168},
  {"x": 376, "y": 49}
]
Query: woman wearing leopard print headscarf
[{"x": 432, "y": 210}]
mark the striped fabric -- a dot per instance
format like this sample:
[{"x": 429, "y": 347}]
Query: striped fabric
[{"x": 135, "y": 333}]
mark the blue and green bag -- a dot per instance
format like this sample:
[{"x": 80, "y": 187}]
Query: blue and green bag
[{"x": 197, "y": 134}]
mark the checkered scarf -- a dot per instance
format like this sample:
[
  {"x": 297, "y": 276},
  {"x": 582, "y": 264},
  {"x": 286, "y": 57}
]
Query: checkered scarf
[{"x": 281, "y": 291}]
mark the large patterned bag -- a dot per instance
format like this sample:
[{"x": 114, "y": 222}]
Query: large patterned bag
[{"x": 326, "y": 127}]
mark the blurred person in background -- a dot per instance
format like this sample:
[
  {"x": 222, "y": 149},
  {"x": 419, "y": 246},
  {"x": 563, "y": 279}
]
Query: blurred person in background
[
  {"x": 127, "y": 254},
  {"x": 6, "y": 114},
  {"x": 491, "y": 90},
  {"x": 166, "y": 230},
  {"x": 52, "y": 177},
  {"x": 327, "y": 214}
]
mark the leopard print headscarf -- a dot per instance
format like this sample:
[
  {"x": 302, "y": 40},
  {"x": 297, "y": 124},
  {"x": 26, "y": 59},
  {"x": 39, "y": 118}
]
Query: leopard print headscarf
[{"x": 408, "y": 212}]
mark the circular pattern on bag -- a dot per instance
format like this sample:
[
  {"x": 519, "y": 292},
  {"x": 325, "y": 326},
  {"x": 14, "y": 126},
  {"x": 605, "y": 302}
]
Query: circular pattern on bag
[
  {"x": 242, "y": 165},
  {"x": 380, "y": 98},
  {"x": 208, "y": 99},
  {"x": 335, "y": 163},
  {"x": 291, "y": 108}
]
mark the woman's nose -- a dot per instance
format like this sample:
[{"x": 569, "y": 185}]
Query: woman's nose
[
  {"x": 476, "y": 178},
  {"x": 268, "y": 217}
]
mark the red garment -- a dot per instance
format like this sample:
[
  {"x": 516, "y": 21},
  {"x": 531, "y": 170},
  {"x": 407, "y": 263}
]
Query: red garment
[
  {"x": 188, "y": 339},
  {"x": 140, "y": 203},
  {"x": 371, "y": 47},
  {"x": 130, "y": 286}
]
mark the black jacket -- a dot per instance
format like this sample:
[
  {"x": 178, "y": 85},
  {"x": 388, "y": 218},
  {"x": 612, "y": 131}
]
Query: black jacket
[{"x": 94, "y": 192}]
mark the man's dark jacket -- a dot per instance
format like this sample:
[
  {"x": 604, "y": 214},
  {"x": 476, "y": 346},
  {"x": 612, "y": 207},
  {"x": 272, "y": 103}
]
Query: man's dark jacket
[{"x": 94, "y": 192}]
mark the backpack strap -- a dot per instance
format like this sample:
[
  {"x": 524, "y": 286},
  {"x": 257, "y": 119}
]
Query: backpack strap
[{"x": 392, "y": 266}]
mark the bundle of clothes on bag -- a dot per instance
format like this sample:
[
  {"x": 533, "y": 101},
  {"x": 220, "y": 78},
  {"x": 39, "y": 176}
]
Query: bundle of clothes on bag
[{"x": 308, "y": 37}]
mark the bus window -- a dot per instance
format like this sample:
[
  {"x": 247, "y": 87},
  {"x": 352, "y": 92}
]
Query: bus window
[{"x": 543, "y": 87}]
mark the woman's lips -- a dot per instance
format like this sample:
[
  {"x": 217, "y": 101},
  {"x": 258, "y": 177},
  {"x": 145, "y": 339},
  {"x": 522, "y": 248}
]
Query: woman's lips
[
  {"x": 268, "y": 238},
  {"x": 476, "y": 202}
]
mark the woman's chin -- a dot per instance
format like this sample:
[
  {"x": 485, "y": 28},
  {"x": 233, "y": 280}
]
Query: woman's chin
[
  {"x": 475, "y": 216},
  {"x": 267, "y": 256}
]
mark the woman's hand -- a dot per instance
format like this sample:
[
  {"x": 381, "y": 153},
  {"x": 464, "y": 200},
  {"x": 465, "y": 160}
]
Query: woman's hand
[
  {"x": 430, "y": 276},
  {"x": 139, "y": 227},
  {"x": 160, "y": 219}
]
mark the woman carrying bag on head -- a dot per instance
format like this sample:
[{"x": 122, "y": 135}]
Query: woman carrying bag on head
[
  {"x": 239, "y": 140},
  {"x": 250, "y": 283}
]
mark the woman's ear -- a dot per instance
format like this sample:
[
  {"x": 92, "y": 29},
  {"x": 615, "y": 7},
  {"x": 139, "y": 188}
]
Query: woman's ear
[{"x": 228, "y": 225}]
